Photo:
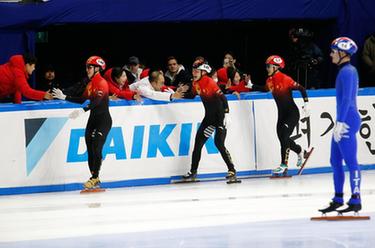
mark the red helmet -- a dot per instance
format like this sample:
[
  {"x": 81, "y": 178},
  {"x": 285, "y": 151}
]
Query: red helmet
[
  {"x": 276, "y": 60},
  {"x": 96, "y": 61}
]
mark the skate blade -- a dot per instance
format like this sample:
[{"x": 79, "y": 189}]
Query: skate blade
[
  {"x": 280, "y": 176},
  {"x": 185, "y": 181},
  {"x": 340, "y": 218},
  {"x": 96, "y": 190},
  {"x": 235, "y": 181},
  {"x": 306, "y": 157}
]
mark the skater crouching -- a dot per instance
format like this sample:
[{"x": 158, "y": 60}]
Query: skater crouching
[
  {"x": 216, "y": 110},
  {"x": 99, "y": 122}
]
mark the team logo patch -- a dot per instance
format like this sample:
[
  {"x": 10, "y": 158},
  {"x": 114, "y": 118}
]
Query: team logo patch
[
  {"x": 344, "y": 45},
  {"x": 100, "y": 62}
]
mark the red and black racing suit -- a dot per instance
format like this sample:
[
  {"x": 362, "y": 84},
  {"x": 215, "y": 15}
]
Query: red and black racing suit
[
  {"x": 281, "y": 86},
  {"x": 216, "y": 105},
  {"x": 100, "y": 121}
]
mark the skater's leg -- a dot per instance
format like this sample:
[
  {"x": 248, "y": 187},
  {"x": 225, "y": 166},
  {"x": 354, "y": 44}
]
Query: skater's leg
[
  {"x": 220, "y": 135},
  {"x": 338, "y": 171},
  {"x": 292, "y": 122},
  {"x": 97, "y": 145},
  {"x": 283, "y": 135},
  {"x": 203, "y": 133},
  {"x": 90, "y": 150},
  {"x": 348, "y": 147}
]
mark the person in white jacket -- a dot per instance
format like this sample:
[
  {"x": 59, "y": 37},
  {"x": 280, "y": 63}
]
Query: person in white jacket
[{"x": 153, "y": 87}]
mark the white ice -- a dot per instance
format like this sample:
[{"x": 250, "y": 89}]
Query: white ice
[{"x": 256, "y": 213}]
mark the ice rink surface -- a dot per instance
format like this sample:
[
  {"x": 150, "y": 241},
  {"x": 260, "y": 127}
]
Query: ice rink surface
[{"x": 256, "y": 213}]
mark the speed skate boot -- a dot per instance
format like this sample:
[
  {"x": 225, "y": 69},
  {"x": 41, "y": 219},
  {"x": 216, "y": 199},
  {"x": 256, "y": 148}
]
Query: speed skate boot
[
  {"x": 92, "y": 183},
  {"x": 354, "y": 205},
  {"x": 300, "y": 159},
  {"x": 333, "y": 206},
  {"x": 190, "y": 176},
  {"x": 232, "y": 177},
  {"x": 282, "y": 170},
  {"x": 351, "y": 207},
  {"x": 336, "y": 202}
]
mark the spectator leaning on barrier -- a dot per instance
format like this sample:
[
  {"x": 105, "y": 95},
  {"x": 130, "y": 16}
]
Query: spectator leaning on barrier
[
  {"x": 13, "y": 80},
  {"x": 222, "y": 76},
  {"x": 234, "y": 84},
  {"x": 100, "y": 122},
  {"x": 118, "y": 85},
  {"x": 153, "y": 87}
]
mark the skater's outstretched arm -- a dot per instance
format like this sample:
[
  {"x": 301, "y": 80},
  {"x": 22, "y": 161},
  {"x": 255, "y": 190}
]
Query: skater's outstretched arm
[
  {"x": 301, "y": 89},
  {"x": 255, "y": 87}
]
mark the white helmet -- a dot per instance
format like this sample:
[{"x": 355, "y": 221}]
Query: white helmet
[
  {"x": 203, "y": 67},
  {"x": 344, "y": 44}
]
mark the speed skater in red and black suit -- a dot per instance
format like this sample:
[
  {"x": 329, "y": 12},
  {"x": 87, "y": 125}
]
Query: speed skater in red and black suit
[
  {"x": 281, "y": 86},
  {"x": 99, "y": 122},
  {"x": 216, "y": 110}
]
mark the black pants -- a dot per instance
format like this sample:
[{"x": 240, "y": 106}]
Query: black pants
[
  {"x": 205, "y": 130},
  {"x": 285, "y": 126},
  {"x": 96, "y": 133}
]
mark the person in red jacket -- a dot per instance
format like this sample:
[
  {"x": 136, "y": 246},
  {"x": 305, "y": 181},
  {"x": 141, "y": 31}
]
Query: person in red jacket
[
  {"x": 100, "y": 121},
  {"x": 13, "y": 79},
  {"x": 234, "y": 83},
  {"x": 118, "y": 85}
]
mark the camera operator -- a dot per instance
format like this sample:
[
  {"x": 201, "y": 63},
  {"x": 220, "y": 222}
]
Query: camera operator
[{"x": 304, "y": 58}]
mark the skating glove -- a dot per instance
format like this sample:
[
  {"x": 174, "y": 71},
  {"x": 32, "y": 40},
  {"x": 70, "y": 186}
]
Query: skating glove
[
  {"x": 76, "y": 113},
  {"x": 57, "y": 93},
  {"x": 339, "y": 131},
  {"x": 305, "y": 110}
]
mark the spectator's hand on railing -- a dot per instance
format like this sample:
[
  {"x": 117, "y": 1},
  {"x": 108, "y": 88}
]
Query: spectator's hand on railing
[
  {"x": 113, "y": 97},
  {"x": 228, "y": 84},
  {"x": 138, "y": 98},
  {"x": 178, "y": 95},
  {"x": 237, "y": 94},
  {"x": 182, "y": 88},
  {"x": 48, "y": 95}
]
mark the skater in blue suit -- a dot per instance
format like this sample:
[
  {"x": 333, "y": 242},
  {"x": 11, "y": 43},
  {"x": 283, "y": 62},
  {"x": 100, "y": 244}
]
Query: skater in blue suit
[{"x": 348, "y": 121}]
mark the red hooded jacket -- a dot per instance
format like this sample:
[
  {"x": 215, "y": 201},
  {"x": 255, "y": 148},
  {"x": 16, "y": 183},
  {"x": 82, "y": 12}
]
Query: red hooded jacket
[
  {"x": 13, "y": 81},
  {"x": 114, "y": 88}
]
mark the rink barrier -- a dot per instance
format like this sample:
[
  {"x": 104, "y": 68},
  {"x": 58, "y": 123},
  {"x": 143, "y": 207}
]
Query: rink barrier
[
  {"x": 167, "y": 132},
  {"x": 157, "y": 181},
  {"x": 60, "y": 104}
]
